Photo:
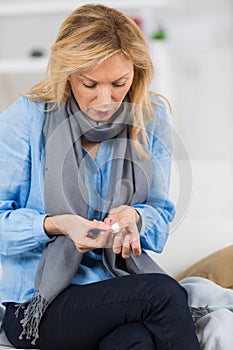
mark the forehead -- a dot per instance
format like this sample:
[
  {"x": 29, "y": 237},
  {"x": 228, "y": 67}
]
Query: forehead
[{"x": 113, "y": 68}]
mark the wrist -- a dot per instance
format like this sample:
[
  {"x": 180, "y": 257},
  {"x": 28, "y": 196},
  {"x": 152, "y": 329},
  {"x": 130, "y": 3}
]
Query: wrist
[
  {"x": 52, "y": 225},
  {"x": 138, "y": 220},
  {"x": 137, "y": 215}
]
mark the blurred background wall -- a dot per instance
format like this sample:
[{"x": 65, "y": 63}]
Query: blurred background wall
[{"x": 192, "y": 50}]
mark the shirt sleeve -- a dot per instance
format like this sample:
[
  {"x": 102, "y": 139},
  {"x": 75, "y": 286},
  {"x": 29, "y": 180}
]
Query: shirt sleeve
[
  {"x": 21, "y": 228},
  {"x": 158, "y": 211}
]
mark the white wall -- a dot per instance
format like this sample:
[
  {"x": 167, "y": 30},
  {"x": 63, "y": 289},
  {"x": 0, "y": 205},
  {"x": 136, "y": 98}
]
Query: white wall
[
  {"x": 208, "y": 221},
  {"x": 196, "y": 63},
  {"x": 194, "y": 67}
]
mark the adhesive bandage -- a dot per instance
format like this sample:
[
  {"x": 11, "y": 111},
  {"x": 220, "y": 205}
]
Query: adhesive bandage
[{"x": 115, "y": 228}]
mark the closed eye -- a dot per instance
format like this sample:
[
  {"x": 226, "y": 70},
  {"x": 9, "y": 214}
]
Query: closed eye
[
  {"x": 90, "y": 86},
  {"x": 118, "y": 84}
]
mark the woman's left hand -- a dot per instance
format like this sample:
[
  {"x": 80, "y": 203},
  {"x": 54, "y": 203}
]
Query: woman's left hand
[{"x": 128, "y": 238}]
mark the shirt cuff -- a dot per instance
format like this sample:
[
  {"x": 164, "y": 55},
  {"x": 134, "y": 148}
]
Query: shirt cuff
[{"x": 38, "y": 230}]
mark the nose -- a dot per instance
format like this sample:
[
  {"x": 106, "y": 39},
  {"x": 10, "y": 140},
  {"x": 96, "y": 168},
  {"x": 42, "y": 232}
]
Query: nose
[{"x": 104, "y": 95}]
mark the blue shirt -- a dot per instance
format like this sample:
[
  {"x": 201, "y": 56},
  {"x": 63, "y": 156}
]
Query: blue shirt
[{"x": 22, "y": 209}]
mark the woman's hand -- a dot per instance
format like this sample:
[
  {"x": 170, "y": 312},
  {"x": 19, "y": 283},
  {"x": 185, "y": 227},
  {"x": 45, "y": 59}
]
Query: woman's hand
[
  {"x": 128, "y": 238},
  {"x": 80, "y": 230}
]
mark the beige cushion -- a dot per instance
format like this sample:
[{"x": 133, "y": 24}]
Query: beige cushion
[{"x": 217, "y": 267}]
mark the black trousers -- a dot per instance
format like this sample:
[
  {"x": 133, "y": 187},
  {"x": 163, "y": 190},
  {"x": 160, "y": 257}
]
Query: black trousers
[{"x": 140, "y": 312}]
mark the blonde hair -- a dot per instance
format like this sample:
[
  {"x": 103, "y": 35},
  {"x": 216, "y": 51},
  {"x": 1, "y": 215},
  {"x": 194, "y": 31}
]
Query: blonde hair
[{"x": 89, "y": 36}]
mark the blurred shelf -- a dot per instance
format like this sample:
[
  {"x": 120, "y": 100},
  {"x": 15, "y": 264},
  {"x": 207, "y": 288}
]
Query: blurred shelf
[
  {"x": 24, "y": 8},
  {"x": 10, "y": 9},
  {"x": 23, "y": 65}
]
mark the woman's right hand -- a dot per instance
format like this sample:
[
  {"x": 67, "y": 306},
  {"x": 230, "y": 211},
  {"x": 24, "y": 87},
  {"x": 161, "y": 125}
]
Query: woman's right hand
[{"x": 80, "y": 230}]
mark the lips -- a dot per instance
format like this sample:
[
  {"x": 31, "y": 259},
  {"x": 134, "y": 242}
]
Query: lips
[{"x": 103, "y": 113}]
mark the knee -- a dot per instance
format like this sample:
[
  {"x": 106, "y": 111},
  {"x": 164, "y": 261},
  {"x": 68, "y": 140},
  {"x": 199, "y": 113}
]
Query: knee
[
  {"x": 163, "y": 281},
  {"x": 172, "y": 289},
  {"x": 165, "y": 286},
  {"x": 171, "y": 286}
]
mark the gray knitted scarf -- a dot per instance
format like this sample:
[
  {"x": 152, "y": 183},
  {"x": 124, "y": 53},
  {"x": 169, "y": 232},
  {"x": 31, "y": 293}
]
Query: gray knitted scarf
[{"x": 65, "y": 192}]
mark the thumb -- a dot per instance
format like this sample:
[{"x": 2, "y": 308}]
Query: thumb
[{"x": 100, "y": 225}]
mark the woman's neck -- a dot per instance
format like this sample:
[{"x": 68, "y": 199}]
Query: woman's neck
[{"x": 90, "y": 147}]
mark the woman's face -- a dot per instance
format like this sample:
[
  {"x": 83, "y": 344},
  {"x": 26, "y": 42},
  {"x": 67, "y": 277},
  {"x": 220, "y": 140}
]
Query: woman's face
[{"x": 100, "y": 92}]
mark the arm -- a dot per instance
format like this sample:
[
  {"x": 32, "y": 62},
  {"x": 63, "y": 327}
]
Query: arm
[
  {"x": 25, "y": 226},
  {"x": 158, "y": 211},
  {"x": 21, "y": 227},
  {"x": 151, "y": 218},
  {"x": 83, "y": 238}
]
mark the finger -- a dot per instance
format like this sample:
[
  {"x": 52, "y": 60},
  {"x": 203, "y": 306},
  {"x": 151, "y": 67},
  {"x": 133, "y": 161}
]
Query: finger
[
  {"x": 82, "y": 248},
  {"x": 136, "y": 246},
  {"x": 97, "y": 240},
  {"x": 126, "y": 248},
  {"x": 100, "y": 225},
  {"x": 110, "y": 239},
  {"x": 107, "y": 221},
  {"x": 117, "y": 243},
  {"x": 113, "y": 218},
  {"x": 102, "y": 239},
  {"x": 87, "y": 241}
]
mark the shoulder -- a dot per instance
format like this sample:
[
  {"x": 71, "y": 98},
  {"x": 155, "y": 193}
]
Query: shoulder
[
  {"x": 162, "y": 114},
  {"x": 161, "y": 106},
  {"x": 22, "y": 120},
  {"x": 22, "y": 111},
  {"x": 22, "y": 106},
  {"x": 159, "y": 129}
]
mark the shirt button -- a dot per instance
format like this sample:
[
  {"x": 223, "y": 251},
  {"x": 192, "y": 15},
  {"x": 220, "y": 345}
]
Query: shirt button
[
  {"x": 96, "y": 212},
  {"x": 96, "y": 192},
  {"x": 96, "y": 170}
]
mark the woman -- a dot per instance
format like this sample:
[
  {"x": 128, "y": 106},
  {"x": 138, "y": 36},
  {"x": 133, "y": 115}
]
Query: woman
[{"x": 84, "y": 183}]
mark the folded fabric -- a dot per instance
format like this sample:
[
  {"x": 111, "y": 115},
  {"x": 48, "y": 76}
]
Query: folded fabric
[
  {"x": 203, "y": 292},
  {"x": 214, "y": 329},
  {"x": 216, "y": 267}
]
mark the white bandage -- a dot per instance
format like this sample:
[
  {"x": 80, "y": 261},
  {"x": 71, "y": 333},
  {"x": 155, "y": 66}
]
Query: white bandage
[{"x": 115, "y": 228}]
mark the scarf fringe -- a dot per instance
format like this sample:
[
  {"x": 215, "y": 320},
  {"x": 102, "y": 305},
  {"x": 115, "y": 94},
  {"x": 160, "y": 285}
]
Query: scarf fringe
[
  {"x": 198, "y": 312},
  {"x": 33, "y": 312}
]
